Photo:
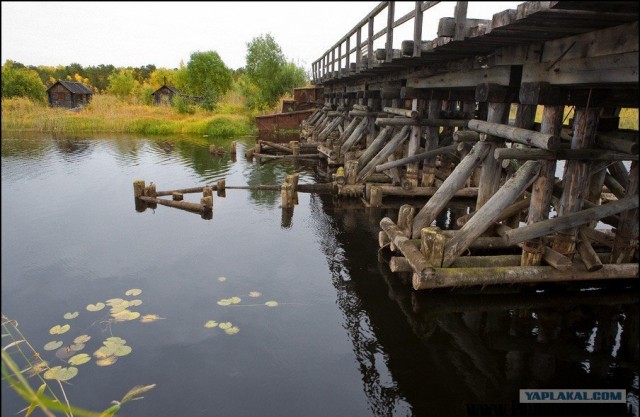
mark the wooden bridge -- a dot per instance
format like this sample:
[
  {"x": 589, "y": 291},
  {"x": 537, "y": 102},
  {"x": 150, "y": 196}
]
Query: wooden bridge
[{"x": 431, "y": 118}]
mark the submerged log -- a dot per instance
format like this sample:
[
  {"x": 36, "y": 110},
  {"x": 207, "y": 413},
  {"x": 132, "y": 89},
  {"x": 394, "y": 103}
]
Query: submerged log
[
  {"x": 278, "y": 146},
  {"x": 184, "y": 205},
  {"x": 299, "y": 156},
  {"x": 460, "y": 277},
  {"x": 400, "y": 264}
]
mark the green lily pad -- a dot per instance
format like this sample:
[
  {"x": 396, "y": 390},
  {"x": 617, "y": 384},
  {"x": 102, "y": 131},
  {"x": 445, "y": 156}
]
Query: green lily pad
[
  {"x": 222, "y": 279},
  {"x": 79, "y": 359},
  {"x": 226, "y": 325},
  {"x": 232, "y": 330},
  {"x": 119, "y": 307},
  {"x": 95, "y": 307},
  {"x": 53, "y": 345},
  {"x": 76, "y": 347},
  {"x": 121, "y": 350},
  {"x": 60, "y": 373},
  {"x": 65, "y": 352},
  {"x": 70, "y": 316},
  {"x": 103, "y": 352},
  {"x": 125, "y": 315},
  {"x": 82, "y": 339},
  {"x": 211, "y": 324},
  {"x": 271, "y": 304},
  {"x": 150, "y": 318},
  {"x": 57, "y": 329},
  {"x": 107, "y": 360},
  {"x": 135, "y": 303},
  {"x": 133, "y": 292},
  {"x": 114, "y": 302},
  {"x": 255, "y": 294},
  {"x": 235, "y": 300},
  {"x": 224, "y": 302},
  {"x": 116, "y": 340}
]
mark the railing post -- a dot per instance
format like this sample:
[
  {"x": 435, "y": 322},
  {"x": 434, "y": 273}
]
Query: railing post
[
  {"x": 333, "y": 61},
  {"x": 348, "y": 61},
  {"x": 390, "y": 18},
  {"x": 460, "y": 15},
  {"x": 359, "y": 49},
  {"x": 340, "y": 60},
  {"x": 417, "y": 30},
  {"x": 370, "y": 44}
]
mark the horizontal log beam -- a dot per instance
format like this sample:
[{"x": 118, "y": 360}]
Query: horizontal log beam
[
  {"x": 416, "y": 158},
  {"x": 461, "y": 277},
  {"x": 398, "y": 121},
  {"x": 562, "y": 154},
  {"x": 515, "y": 134},
  {"x": 569, "y": 221}
]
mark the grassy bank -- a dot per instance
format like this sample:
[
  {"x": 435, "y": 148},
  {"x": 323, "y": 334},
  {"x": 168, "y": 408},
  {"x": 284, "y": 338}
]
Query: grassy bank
[{"x": 108, "y": 114}]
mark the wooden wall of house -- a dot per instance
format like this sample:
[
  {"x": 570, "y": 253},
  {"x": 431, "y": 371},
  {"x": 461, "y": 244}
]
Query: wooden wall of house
[
  {"x": 162, "y": 97},
  {"x": 59, "y": 96}
]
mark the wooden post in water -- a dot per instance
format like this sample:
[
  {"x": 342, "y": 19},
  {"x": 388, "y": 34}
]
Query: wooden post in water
[
  {"x": 449, "y": 187},
  {"x": 432, "y": 138},
  {"x": 220, "y": 188},
  {"x": 626, "y": 239},
  {"x": 177, "y": 196},
  {"x": 150, "y": 190},
  {"x": 138, "y": 188},
  {"x": 295, "y": 147},
  {"x": 542, "y": 189},
  {"x": 286, "y": 195},
  {"x": 576, "y": 176}
]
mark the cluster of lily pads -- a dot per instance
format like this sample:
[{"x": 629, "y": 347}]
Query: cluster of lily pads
[
  {"x": 228, "y": 327},
  {"x": 113, "y": 347}
]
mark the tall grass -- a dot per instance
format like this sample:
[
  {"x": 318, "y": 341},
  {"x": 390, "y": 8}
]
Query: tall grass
[{"x": 106, "y": 113}]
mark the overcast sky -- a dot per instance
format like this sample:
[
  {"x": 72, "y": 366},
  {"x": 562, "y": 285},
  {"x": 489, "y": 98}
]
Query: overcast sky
[{"x": 164, "y": 33}]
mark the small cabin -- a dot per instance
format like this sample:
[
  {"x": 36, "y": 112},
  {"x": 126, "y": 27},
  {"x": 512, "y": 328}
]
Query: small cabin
[
  {"x": 163, "y": 96},
  {"x": 69, "y": 94}
]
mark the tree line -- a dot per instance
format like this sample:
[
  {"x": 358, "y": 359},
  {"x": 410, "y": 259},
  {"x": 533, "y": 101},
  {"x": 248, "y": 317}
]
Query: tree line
[{"x": 267, "y": 76}]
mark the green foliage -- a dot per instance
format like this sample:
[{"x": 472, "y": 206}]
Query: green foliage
[
  {"x": 144, "y": 94},
  {"x": 122, "y": 84},
  {"x": 22, "y": 82},
  {"x": 183, "y": 105},
  {"x": 268, "y": 74},
  {"x": 207, "y": 77},
  {"x": 162, "y": 76}
]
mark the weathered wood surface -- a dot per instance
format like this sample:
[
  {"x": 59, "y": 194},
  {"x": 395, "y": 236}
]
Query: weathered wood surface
[
  {"x": 515, "y": 134},
  {"x": 563, "y": 154},
  {"x": 184, "y": 205},
  {"x": 459, "y": 277},
  {"x": 415, "y": 258},
  {"x": 384, "y": 153},
  {"x": 416, "y": 158}
]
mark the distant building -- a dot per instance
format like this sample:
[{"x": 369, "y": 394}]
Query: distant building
[
  {"x": 163, "y": 96},
  {"x": 69, "y": 94}
]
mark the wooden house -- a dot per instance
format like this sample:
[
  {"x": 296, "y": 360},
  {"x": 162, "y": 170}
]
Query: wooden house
[
  {"x": 69, "y": 94},
  {"x": 163, "y": 96}
]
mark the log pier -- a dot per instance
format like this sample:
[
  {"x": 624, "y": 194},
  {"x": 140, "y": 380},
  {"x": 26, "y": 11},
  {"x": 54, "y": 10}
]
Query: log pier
[{"x": 432, "y": 115}]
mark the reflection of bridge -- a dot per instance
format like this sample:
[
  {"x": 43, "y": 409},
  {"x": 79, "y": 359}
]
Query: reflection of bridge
[
  {"x": 437, "y": 351},
  {"x": 433, "y": 115}
]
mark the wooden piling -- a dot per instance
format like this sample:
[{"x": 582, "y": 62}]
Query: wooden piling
[
  {"x": 220, "y": 188},
  {"x": 184, "y": 205},
  {"x": 177, "y": 196},
  {"x": 449, "y": 187},
  {"x": 150, "y": 190},
  {"x": 491, "y": 170},
  {"x": 207, "y": 201},
  {"x": 625, "y": 243},
  {"x": 138, "y": 188},
  {"x": 588, "y": 255},
  {"x": 295, "y": 147},
  {"x": 286, "y": 195}
]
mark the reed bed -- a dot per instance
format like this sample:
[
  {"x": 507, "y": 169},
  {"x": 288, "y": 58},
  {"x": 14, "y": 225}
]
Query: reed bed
[{"x": 108, "y": 114}]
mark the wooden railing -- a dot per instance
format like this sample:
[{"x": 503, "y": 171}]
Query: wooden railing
[{"x": 326, "y": 65}]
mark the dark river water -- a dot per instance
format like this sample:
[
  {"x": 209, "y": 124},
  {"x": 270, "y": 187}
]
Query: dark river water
[{"x": 346, "y": 338}]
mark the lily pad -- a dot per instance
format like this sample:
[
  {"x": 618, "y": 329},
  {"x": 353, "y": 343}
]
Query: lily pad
[
  {"x": 255, "y": 294},
  {"x": 65, "y": 352},
  {"x": 70, "y": 316},
  {"x": 53, "y": 345},
  {"x": 82, "y": 339},
  {"x": 211, "y": 324},
  {"x": 57, "y": 329},
  {"x": 135, "y": 303},
  {"x": 224, "y": 302},
  {"x": 150, "y": 318},
  {"x": 116, "y": 340},
  {"x": 121, "y": 350},
  {"x": 271, "y": 304},
  {"x": 222, "y": 279},
  {"x": 125, "y": 315},
  {"x": 107, "y": 360},
  {"x": 95, "y": 307},
  {"x": 103, "y": 352},
  {"x": 76, "y": 347},
  {"x": 235, "y": 300},
  {"x": 79, "y": 359},
  {"x": 226, "y": 325},
  {"x": 60, "y": 373},
  {"x": 133, "y": 292},
  {"x": 119, "y": 307},
  {"x": 114, "y": 302},
  {"x": 232, "y": 330}
]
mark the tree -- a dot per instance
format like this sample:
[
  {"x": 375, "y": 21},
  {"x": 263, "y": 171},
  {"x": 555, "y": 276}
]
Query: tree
[
  {"x": 270, "y": 72},
  {"x": 22, "y": 82},
  {"x": 207, "y": 77},
  {"x": 122, "y": 84}
]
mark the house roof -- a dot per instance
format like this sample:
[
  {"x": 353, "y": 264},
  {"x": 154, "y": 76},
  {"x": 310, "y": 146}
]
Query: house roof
[
  {"x": 171, "y": 88},
  {"x": 74, "y": 87}
]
